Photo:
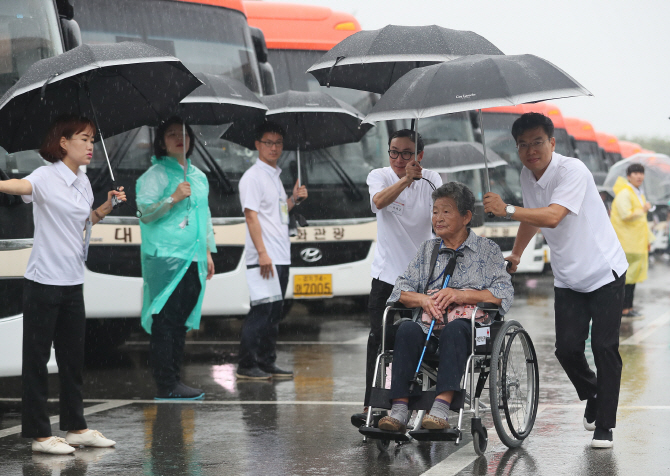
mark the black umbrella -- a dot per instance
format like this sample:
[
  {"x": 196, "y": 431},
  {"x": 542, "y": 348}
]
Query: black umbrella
[
  {"x": 452, "y": 156},
  {"x": 220, "y": 100},
  {"x": 372, "y": 60},
  {"x": 121, "y": 86},
  {"x": 474, "y": 82},
  {"x": 311, "y": 120}
]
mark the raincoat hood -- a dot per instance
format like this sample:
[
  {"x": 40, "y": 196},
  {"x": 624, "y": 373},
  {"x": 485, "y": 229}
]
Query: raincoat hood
[{"x": 173, "y": 234}]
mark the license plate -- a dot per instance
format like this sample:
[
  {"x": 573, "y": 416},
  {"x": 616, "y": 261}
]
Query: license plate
[{"x": 312, "y": 285}]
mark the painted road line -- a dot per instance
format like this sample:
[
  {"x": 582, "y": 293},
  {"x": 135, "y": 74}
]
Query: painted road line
[
  {"x": 107, "y": 405},
  {"x": 122, "y": 402},
  {"x": 464, "y": 457},
  {"x": 647, "y": 331},
  {"x": 357, "y": 341}
]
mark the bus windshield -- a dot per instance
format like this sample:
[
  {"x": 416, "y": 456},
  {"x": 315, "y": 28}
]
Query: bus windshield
[
  {"x": 590, "y": 154},
  {"x": 206, "y": 39},
  {"x": 28, "y": 33}
]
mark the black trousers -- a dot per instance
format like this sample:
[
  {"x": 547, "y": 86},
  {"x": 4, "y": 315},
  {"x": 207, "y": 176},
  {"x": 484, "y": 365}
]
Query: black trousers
[
  {"x": 455, "y": 340},
  {"x": 602, "y": 308},
  {"x": 258, "y": 343},
  {"x": 168, "y": 330},
  {"x": 379, "y": 294},
  {"x": 52, "y": 314},
  {"x": 628, "y": 296}
]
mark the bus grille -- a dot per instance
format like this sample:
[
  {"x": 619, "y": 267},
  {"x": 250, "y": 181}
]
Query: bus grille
[
  {"x": 329, "y": 253},
  {"x": 124, "y": 260}
]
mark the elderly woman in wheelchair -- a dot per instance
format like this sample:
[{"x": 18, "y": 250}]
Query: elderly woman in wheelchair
[{"x": 479, "y": 276}]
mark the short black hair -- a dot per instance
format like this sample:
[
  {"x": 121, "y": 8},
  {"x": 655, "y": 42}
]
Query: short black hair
[
  {"x": 531, "y": 120},
  {"x": 632, "y": 168},
  {"x": 159, "y": 140},
  {"x": 268, "y": 126},
  {"x": 410, "y": 135}
]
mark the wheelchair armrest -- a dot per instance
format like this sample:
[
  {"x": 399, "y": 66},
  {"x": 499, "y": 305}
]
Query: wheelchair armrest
[
  {"x": 488, "y": 307},
  {"x": 397, "y": 305}
]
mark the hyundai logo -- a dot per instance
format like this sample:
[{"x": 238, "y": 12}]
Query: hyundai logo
[{"x": 311, "y": 255}]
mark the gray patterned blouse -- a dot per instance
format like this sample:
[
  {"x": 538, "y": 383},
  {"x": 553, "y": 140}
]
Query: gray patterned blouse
[{"x": 481, "y": 267}]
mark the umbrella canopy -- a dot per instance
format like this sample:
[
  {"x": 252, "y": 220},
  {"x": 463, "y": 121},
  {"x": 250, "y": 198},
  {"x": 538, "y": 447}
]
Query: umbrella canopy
[
  {"x": 372, "y": 60},
  {"x": 450, "y": 157},
  {"x": 656, "y": 176},
  {"x": 122, "y": 86},
  {"x": 311, "y": 120},
  {"x": 220, "y": 100},
  {"x": 474, "y": 82}
]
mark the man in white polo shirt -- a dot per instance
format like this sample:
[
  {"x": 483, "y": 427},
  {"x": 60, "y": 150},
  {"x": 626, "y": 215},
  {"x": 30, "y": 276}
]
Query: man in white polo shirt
[
  {"x": 268, "y": 254},
  {"x": 403, "y": 205},
  {"x": 589, "y": 265}
]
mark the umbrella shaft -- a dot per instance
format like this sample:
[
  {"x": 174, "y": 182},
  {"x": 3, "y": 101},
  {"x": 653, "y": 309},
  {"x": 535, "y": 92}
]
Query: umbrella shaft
[{"x": 486, "y": 162}]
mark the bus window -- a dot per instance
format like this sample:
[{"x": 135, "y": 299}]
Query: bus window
[
  {"x": 450, "y": 127},
  {"x": 28, "y": 33},
  {"x": 590, "y": 155},
  {"x": 207, "y": 39}
]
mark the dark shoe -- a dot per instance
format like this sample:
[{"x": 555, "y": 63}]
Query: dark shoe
[
  {"x": 253, "y": 373},
  {"x": 359, "y": 419},
  {"x": 602, "y": 438},
  {"x": 389, "y": 423},
  {"x": 276, "y": 372},
  {"x": 632, "y": 315},
  {"x": 590, "y": 414},
  {"x": 181, "y": 392}
]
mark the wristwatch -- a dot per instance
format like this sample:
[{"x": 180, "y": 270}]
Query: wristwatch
[
  {"x": 510, "y": 210},
  {"x": 170, "y": 200}
]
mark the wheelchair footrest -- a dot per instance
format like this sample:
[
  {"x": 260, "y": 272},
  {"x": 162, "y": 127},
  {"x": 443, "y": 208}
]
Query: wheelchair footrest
[
  {"x": 377, "y": 434},
  {"x": 450, "y": 434}
]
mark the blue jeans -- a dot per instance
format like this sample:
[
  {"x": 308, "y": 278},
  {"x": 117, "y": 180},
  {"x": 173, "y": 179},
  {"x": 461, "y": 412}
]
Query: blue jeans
[{"x": 258, "y": 344}]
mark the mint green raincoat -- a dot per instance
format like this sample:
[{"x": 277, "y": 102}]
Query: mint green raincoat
[{"x": 168, "y": 249}]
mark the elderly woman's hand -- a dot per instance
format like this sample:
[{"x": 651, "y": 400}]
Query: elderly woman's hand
[
  {"x": 445, "y": 297},
  {"x": 428, "y": 305}
]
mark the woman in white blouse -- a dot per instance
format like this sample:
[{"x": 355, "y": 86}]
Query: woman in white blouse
[{"x": 53, "y": 300}]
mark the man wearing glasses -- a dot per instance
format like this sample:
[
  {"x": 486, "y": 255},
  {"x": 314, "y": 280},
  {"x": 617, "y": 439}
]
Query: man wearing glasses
[
  {"x": 561, "y": 199},
  {"x": 268, "y": 254},
  {"x": 400, "y": 196}
]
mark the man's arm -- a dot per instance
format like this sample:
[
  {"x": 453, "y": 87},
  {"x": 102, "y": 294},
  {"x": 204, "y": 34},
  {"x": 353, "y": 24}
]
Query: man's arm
[
  {"x": 523, "y": 236},
  {"x": 545, "y": 217},
  {"x": 254, "y": 225},
  {"x": 387, "y": 196}
]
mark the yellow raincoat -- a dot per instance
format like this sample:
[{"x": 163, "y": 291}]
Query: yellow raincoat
[
  {"x": 630, "y": 223},
  {"x": 167, "y": 248}
]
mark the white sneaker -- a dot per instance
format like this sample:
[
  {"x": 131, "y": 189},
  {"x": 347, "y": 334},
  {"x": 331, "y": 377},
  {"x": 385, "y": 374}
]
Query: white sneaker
[
  {"x": 90, "y": 438},
  {"x": 54, "y": 445}
]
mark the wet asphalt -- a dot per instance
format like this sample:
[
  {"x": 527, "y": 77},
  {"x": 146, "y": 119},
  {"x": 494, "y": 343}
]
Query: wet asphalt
[{"x": 301, "y": 426}]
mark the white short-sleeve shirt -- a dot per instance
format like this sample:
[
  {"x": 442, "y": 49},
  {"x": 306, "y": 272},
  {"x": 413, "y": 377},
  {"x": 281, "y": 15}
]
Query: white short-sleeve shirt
[
  {"x": 584, "y": 247},
  {"x": 403, "y": 225},
  {"x": 62, "y": 203},
  {"x": 262, "y": 191}
]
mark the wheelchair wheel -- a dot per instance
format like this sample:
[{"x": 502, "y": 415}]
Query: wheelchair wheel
[
  {"x": 479, "y": 443},
  {"x": 514, "y": 384},
  {"x": 383, "y": 445}
]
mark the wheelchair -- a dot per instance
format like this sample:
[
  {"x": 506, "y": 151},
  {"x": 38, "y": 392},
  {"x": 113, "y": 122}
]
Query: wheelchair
[{"x": 502, "y": 352}]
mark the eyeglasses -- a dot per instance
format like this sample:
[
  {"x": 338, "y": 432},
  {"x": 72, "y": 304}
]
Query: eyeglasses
[
  {"x": 405, "y": 154},
  {"x": 524, "y": 146},
  {"x": 270, "y": 144}
]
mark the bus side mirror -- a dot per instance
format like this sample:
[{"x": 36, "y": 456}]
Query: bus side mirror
[
  {"x": 267, "y": 79},
  {"x": 478, "y": 215},
  {"x": 268, "y": 82},
  {"x": 71, "y": 33},
  {"x": 260, "y": 47}
]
